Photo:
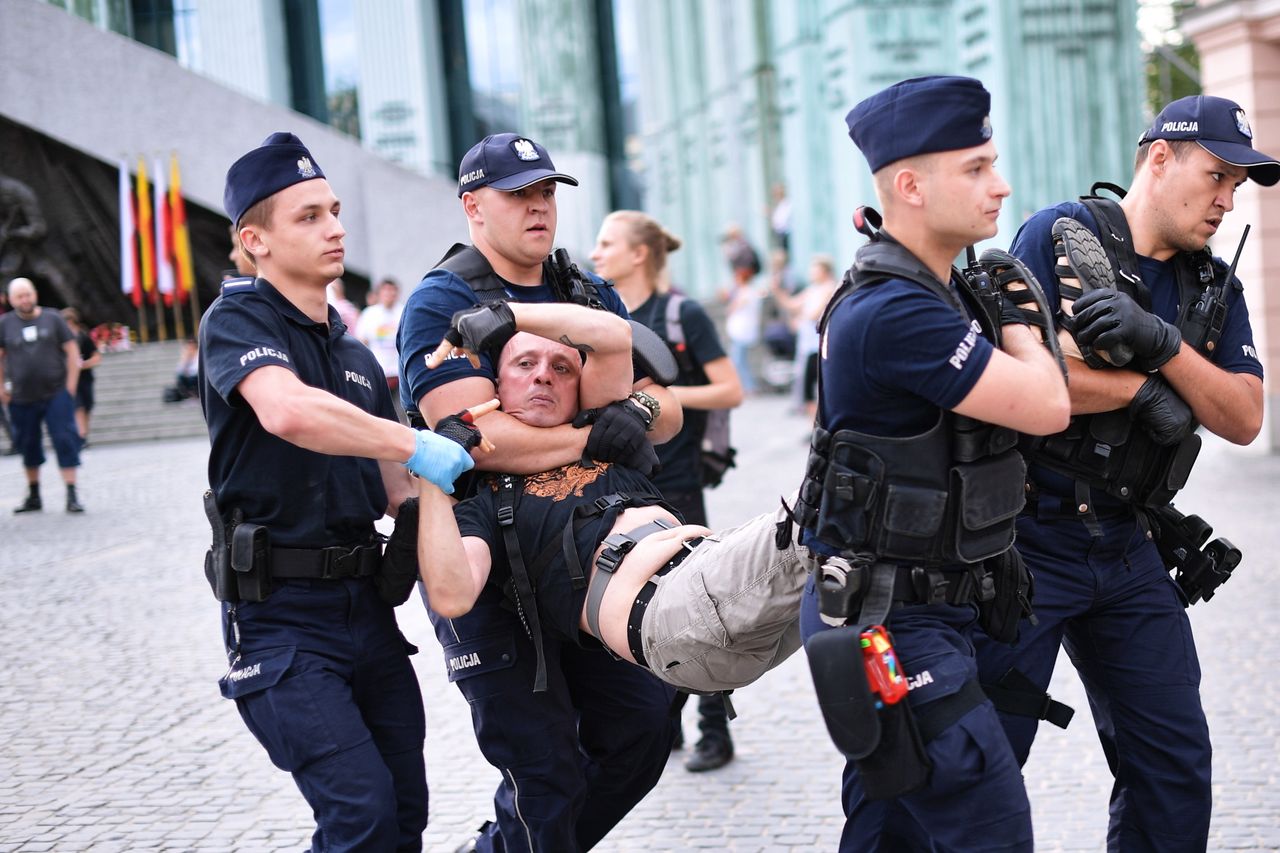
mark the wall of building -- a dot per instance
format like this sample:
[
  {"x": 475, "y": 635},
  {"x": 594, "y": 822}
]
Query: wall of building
[
  {"x": 740, "y": 94},
  {"x": 1239, "y": 45},
  {"x": 111, "y": 97}
]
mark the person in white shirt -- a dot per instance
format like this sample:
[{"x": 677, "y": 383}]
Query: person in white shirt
[{"x": 377, "y": 327}]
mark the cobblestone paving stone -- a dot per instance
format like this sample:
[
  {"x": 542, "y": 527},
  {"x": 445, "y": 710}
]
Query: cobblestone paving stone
[{"x": 113, "y": 736}]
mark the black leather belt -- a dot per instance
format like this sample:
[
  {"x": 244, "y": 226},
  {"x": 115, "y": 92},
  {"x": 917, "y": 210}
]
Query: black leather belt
[
  {"x": 636, "y": 617},
  {"x": 326, "y": 563}
]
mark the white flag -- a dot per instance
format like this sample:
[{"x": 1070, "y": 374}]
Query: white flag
[
  {"x": 127, "y": 229},
  {"x": 164, "y": 253}
]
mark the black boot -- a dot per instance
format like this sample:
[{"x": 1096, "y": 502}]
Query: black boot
[
  {"x": 33, "y": 502},
  {"x": 73, "y": 505}
]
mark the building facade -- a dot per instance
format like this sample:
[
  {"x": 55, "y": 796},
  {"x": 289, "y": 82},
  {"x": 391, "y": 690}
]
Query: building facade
[{"x": 740, "y": 96}]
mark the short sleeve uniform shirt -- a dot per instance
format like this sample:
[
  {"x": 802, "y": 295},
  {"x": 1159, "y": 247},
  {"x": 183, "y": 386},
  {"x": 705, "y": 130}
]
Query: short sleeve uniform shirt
[{"x": 305, "y": 499}]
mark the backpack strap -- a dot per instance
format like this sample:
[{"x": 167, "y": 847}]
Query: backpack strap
[
  {"x": 673, "y": 331},
  {"x": 1117, "y": 241}
]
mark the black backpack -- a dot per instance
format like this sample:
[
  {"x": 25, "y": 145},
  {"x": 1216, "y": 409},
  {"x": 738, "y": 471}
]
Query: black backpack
[{"x": 716, "y": 455}]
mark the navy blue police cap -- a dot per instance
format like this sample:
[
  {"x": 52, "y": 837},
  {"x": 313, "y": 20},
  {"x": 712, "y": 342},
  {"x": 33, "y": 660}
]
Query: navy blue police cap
[
  {"x": 279, "y": 162},
  {"x": 922, "y": 115},
  {"x": 507, "y": 162},
  {"x": 1221, "y": 128}
]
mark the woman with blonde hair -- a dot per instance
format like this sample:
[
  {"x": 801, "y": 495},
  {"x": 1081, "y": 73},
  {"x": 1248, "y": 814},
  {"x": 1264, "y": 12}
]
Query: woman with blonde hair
[{"x": 631, "y": 250}]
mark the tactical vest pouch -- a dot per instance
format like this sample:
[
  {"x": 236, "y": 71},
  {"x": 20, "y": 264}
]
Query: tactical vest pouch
[
  {"x": 846, "y": 501},
  {"x": 251, "y": 560},
  {"x": 913, "y": 516},
  {"x": 1166, "y": 472},
  {"x": 974, "y": 439},
  {"x": 1014, "y": 587},
  {"x": 988, "y": 495}
]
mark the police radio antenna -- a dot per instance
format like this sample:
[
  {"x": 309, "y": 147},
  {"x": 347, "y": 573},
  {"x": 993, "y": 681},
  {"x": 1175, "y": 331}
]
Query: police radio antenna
[{"x": 1231, "y": 270}]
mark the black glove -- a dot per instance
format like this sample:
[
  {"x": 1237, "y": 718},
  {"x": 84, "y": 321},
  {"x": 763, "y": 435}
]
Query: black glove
[
  {"x": 618, "y": 435},
  {"x": 1161, "y": 413},
  {"x": 482, "y": 327},
  {"x": 460, "y": 428},
  {"x": 399, "y": 572},
  {"x": 1105, "y": 318}
]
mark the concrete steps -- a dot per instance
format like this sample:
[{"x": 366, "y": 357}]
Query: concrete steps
[{"x": 128, "y": 387}]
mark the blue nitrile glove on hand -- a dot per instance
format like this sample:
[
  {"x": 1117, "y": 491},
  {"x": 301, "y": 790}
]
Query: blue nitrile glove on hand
[{"x": 439, "y": 459}]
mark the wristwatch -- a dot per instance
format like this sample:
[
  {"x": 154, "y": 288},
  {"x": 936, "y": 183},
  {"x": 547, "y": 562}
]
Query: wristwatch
[{"x": 649, "y": 407}]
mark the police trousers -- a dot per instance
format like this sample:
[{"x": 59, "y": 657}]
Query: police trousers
[
  {"x": 974, "y": 799},
  {"x": 324, "y": 682},
  {"x": 1112, "y": 604},
  {"x": 574, "y": 759}
]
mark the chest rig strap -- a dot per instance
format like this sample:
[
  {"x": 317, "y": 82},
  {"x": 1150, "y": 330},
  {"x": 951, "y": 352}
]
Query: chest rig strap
[{"x": 522, "y": 585}]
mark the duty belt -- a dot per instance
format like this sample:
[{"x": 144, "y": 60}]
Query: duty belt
[{"x": 326, "y": 563}]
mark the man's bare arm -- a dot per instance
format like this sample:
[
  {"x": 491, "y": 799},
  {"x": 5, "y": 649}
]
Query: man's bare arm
[
  {"x": 1021, "y": 387},
  {"x": 454, "y": 570},
  {"x": 1227, "y": 404}
]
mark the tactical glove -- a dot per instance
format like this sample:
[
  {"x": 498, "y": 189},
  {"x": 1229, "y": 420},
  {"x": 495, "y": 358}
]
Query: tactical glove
[
  {"x": 1105, "y": 318},
  {"x": 482, "y": 327},
  {"x": 1161, "y": 413},
  {"x": 460, "y": 428},
  {"x": 439, "y": 460},
  {"x": 399, "y": 572},
  {"x": 618, "y": 435}
]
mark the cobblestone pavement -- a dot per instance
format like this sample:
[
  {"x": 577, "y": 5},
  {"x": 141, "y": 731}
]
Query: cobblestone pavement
[{"x": 113, "y": 736}]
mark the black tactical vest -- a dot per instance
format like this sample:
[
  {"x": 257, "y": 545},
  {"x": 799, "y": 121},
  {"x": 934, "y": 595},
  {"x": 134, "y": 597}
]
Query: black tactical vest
[
  {"x": 948, "y": 495},
  {"x": 1106, "y": 451}
]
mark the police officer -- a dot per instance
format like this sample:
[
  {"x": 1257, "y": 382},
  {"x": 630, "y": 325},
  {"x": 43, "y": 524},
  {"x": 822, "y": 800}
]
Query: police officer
[
  {"x": 912, "y": 483},
  {"x": 305, "y": 452},
  {"x": 577, "y": 756},
  {"x": 1101, "y": 587},
  {"x": 631, "y": 251}
]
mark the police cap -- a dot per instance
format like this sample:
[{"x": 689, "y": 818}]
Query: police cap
[
  {"x": 1221, "y": 128},
  {"x": 507, "y": 162},
  {"x": 922, "y": 115},
  {"x": 279, "y": 162}
]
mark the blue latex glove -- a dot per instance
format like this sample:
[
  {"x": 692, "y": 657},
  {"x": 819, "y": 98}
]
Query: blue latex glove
[{"x": 439, "y": 460}]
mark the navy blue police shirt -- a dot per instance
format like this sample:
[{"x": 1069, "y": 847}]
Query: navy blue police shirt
[
  {"x": 1235, "y": 352},
  {"x": 893, "y": 357},
  {"x": 427, "y": 314},
  {"x": 681, "y": 456},
  {"x": 305, "y": 499}
]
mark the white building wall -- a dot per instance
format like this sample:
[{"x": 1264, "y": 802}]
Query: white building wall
[{"x": 118, "y": 98}]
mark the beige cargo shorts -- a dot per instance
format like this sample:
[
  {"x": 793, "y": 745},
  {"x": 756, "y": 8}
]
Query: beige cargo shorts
[{"x": 730, "y": 611}]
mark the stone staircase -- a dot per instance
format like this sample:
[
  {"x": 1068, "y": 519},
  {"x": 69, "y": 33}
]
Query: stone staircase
[{"x": 128, "y": 387}]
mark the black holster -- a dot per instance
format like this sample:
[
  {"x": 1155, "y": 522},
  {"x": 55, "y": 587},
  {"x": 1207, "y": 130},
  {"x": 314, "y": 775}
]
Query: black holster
[
  {"x": 882, "y": 740},
  {"x": 1200, "y": 565},
  {"x": 1014, "y": 586}
]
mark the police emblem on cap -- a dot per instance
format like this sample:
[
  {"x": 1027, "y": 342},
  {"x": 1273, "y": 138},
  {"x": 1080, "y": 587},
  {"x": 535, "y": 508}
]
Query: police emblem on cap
[
  {"x": 986, "y": 127},
  {"x": 1242, "y": 123},
  {"x": 524, "y": 149},
  {"x": 305, "y": 169}
]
